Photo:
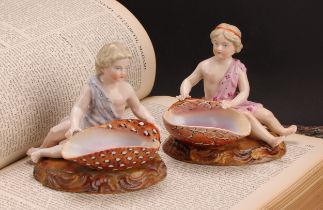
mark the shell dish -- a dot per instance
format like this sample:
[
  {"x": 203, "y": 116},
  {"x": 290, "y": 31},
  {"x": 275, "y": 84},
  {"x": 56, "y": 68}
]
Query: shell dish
[
  {"x": 205, "y": 123},
  {"x": 117, "y": 145}
]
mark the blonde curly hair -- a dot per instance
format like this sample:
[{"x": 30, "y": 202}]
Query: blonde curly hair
[
  {"x": 230, "y": 32},
  {"x": 110, "y": 53}
]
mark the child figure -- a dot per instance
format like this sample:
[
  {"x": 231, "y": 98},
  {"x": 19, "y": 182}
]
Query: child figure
[
  {"x": 225, "y": 80},
  {"x": 102, "y": 99}
]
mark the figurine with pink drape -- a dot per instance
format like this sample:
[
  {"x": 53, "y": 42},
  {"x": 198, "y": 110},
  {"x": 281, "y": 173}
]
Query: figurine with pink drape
[{"x": 225, "y": 80}]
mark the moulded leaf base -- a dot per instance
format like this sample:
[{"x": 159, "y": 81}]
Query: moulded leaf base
[
  {"x": 63, "y": 175},
  {"x": 245, "y": 151}
]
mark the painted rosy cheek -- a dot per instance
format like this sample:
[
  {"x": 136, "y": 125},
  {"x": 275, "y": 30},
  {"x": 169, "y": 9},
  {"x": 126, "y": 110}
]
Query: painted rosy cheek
[{"x": 115, "y": 76}]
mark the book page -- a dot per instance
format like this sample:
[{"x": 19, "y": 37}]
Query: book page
[
  {"x": 304, "y": 154},
  {"x": 256, "y": 185},
  {"x": 187, "y": 186},
  {"x": 47, "y": 53}
]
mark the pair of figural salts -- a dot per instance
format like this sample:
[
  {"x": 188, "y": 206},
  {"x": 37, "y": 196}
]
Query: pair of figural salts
[{"x": 98, "y": 137}]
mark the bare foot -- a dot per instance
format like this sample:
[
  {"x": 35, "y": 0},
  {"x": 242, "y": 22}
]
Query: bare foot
[
  {"x": 35, "y": 156},
  {"x": 290, "y": 130},
  {"x": 276, "y": 141},
  {"x": 31, "y": 150}
]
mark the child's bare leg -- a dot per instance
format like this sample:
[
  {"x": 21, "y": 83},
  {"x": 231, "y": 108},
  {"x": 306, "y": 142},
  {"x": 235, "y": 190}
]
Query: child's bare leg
[
  {"x": 54, "y": 136},
  {"x": 267, "y": 118},
  {"x": 53, "y": 152},
  {"x": 260, "y": 132},
  {"x": 31, "y": 150}
]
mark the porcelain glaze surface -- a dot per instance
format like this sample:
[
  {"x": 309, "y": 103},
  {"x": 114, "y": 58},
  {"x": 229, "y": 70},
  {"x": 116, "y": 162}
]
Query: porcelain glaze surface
[
  {"x": 203, "y": 122},
  {"x": 63, "y": 175},
  {"x": 117, "y": 145}
]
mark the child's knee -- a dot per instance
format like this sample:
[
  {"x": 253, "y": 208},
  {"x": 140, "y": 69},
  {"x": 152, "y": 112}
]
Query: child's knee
[
  {"x": 54, "y": 129},
  {"x": 268, "y": 115}
]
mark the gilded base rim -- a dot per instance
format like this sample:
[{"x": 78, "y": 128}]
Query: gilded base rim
[
  {"x": 246, "y": 151},
  {"x": 63, "y": 175}
]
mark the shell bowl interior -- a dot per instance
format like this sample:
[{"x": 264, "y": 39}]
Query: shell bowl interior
[
  {"x": 117, "y": 145},
  {"x": 204, "y": 122}
]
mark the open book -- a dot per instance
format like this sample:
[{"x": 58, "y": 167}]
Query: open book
[{"x": 47, "y": 51}]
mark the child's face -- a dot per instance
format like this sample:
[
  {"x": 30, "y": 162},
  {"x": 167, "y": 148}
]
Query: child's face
[
  {"x": 222, "y": 48},
  {"x": 118, "y": 70}
]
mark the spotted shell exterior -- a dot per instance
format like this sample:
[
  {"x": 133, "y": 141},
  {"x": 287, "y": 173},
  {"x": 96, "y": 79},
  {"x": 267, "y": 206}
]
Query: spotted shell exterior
[
  {"x": 199, "y": 135},
  {"x": 124, "y": 157}
]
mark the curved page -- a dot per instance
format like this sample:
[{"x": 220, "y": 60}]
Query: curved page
[{"x": 47, "y": 52}]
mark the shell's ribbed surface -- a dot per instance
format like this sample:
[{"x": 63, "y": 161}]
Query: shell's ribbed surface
[
  {"x": 204, "y": 122},
  {"x": 117, "y": 145}
]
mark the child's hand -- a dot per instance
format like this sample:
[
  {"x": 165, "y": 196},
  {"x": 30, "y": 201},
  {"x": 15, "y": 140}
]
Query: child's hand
[
  {"x": 183, "y": 96},
  {"x": 158, "y": 128},
  {"x": 156, "y": 125},
  {"x": 225, "y": 104},
  {"x": 72, "y": 131}
]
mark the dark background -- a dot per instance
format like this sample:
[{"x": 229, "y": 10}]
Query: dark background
[{"x": 283, "y": 44}]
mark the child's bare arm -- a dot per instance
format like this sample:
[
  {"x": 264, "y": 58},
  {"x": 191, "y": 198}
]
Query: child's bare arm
[
  {"x": 137, "y": 108},
  {"x": 190, "y": 82},
  {"x": 78, "y": 110}
]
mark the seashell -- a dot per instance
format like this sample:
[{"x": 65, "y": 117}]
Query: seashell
[
  {"x": 204, "y": 122},
  {"x": 113, "y": 146}
]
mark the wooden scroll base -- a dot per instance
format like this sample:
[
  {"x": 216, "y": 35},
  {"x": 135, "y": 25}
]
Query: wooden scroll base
[
  {"x": 243, "y": 152},
  {"x": 63, "y": 175}
]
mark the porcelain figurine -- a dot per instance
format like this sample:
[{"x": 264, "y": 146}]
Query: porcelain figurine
[
  {"x": 102, "y": 99},
  {"x": 225, "y": 80}
]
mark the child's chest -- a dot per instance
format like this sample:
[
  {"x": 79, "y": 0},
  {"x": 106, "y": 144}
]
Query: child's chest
[
  {"x": 116, "y": 97},
  {"x": 214, "y": 75}
]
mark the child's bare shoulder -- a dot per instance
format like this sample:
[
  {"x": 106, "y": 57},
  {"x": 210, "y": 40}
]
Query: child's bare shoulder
[
  {"x": 126, "y": 87},
  {"x": 204, "y": 64}
]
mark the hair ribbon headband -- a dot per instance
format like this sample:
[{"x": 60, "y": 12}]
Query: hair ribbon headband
[{"x": 228, "y": 29}]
